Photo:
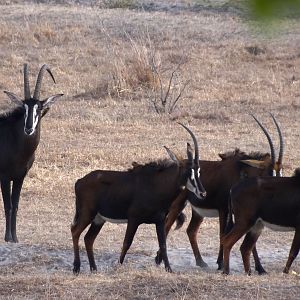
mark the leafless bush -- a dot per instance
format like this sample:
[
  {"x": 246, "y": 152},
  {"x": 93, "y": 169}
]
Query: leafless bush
[
  {"x": 139, "y": 70},
  {"x": 168, "y": 92}
]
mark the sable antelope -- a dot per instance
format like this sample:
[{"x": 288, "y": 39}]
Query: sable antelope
[
  {"x": 218, "y": 177},
  {"x": 274, "y": 202},
  {"x": 19, "y": 138},
  {"x": 139, "y": 195}
]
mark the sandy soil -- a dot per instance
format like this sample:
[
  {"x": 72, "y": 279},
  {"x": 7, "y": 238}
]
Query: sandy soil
[{"x": 101, "y": 59}]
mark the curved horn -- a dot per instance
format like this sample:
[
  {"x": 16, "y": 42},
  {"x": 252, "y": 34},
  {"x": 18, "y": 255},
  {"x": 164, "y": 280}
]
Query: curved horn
[
  {"x": 26, "y": 83},
  {"x": 38, "y": 84},
  {"x": 269, "y": 140},
  {"x": 280, "y": 155},
  {"x": 195, "y": 143}
]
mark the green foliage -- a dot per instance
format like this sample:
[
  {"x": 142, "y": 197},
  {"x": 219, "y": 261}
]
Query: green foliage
[
  {"x": 258, "y": 9},
  {"x": 270, "y": 9}
]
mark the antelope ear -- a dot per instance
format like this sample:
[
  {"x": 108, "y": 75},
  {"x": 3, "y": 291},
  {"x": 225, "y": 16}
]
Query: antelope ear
[
  {"x": 14, "y": 98},
  {"x": 46, "y": 103},
  {"x": 259, "y": 164},
  {"x": 172, "y": 155},
  {"x": 44, "y": 111}
]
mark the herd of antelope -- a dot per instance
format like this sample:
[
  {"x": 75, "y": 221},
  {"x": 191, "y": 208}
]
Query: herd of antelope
[{"x": 246, "y": 188}]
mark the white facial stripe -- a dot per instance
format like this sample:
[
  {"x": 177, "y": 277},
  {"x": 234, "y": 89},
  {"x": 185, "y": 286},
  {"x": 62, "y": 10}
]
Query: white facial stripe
[
  {"x": 193, "y": 187},
  {"x": 190, "y": 186},
  {"x": 192, "y": 183},
  {"x": 26, "y": 113},
  {"x": 193, "y": 175},
  {"x": 35, "y": 117},
  {"x": 198, "y": 172}
]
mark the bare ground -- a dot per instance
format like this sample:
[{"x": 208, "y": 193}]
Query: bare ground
[{"x": 232, "y": 68}]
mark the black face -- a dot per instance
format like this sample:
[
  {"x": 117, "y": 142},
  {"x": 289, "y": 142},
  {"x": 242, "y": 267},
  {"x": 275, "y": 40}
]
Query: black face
[
  {"x": 194, "y": 185},
  {"x": 32, "y": 115}
]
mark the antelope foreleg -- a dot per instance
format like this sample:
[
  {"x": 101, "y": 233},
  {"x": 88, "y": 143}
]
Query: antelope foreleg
[
  {"x": 162, "y": 244},
  {"x": 192, "y": 231},
  {"x": 176, "y": 207},
  {"x": 15, "y": 197},
  {"x": 222, "y": 226},
  {"x": 6, "y": 191},
  {"x": 131, "y": 229}
]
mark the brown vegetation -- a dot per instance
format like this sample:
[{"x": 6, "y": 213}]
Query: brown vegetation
[{"x": 232, "y": 70}]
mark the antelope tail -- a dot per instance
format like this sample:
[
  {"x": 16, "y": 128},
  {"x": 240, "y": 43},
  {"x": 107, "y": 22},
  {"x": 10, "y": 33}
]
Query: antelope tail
[
  {"x": 229, "y": 219},
  {"x": 77, "y": 206},
  {"x": 181, "y": 218}
]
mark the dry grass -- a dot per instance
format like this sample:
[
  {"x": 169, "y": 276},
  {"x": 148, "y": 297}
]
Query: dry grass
[{"x": 92, "y": 128}]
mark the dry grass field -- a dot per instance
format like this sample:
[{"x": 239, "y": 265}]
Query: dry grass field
[{"x": 103, "y": 59}]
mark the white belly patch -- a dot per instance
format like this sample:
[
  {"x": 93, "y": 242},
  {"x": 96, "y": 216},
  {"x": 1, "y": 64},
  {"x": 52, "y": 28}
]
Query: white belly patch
[
  {"x": 205, "y": 212},
  {"x": 99, "y": 219},
  {"x": 277, "y": 227}
]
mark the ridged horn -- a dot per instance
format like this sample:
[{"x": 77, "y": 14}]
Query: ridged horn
[
  {"x": 280, "y": 155},
  {"x": 269, "y": 140},
  {"x": 38, "y": 84},
  {"x": 196, "y": 159},
  {"x": 26, "y": 83}
]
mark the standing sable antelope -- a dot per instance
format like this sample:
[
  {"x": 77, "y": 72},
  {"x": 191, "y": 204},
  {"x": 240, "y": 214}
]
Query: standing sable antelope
[
  {"x": 19, "y": 138},
  {"x": 142, "y": 194},
  {"x": 218, "y": 177},
  {"x": 274, "y": 202}
]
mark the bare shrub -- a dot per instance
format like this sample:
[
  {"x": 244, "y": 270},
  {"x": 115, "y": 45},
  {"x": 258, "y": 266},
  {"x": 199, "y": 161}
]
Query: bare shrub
[
  {"x": 166, "y": 95},
  {"x": 255, "y": 50},
  {"x": 139, "y": 70}
]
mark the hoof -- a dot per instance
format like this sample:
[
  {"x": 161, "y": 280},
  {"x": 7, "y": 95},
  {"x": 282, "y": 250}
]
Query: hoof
[
  {"x": 285, "y": 271},
  {"x": 201, "y": 264},
  {"x": 220, "y": 266},
  {"x": 158, "y": 259},
  {"x": 168, "y": 269},
  {"x": 76, "y": 270},
  {"x": 262, "y": 272},
  {"x": 8, "y": 238},
  {"x": 94, "y": 270}
]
